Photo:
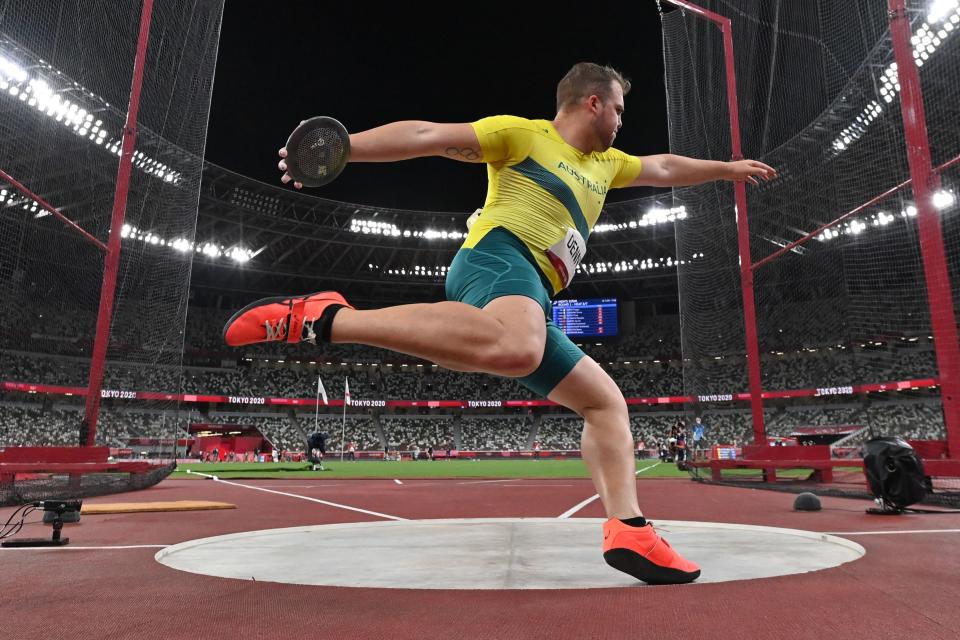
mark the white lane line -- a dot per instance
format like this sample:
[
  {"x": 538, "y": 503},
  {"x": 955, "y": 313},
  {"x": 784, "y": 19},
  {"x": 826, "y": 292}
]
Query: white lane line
[
  {"x": 294, "y": 495},
  {"x": 575, "y": 508},
  {"x": 397, "y": 481},
  {"x": 639, "y": 471},
  {"x": 488, "y": 481},
  {"x": 570, "y": 512},
  {"x": 889, "y": 533},
  {"x": 74, "y": 548}
]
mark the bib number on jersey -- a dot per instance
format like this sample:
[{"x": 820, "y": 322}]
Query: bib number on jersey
[{"x": 567, "y": 254}]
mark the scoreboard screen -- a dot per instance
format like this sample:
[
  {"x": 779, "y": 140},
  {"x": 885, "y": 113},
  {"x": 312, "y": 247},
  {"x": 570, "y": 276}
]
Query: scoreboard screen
[{"x": 593, "y": 318}]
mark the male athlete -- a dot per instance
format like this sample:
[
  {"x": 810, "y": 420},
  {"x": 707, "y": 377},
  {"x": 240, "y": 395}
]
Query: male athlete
[{"x": 547, "y": 184}]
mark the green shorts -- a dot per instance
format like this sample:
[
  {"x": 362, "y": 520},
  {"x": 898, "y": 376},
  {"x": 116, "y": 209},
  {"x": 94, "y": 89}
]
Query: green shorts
[{"x": 501, "y": 265}]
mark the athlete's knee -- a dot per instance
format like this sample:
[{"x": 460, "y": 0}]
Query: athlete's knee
[
  {"x": 526, "y": 360},
  {"x": 513, "y": 359},
  {"x": 604, "y": 408},
  {"x": 601, "y": 401}
]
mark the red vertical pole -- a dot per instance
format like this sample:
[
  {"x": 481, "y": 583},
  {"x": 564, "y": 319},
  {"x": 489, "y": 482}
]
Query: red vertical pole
[
  {"x": 925, "y": 184},
  {"x": 743, "y": 243},
  {"x": 743, "y": 229},
  {"x": 112, "y": 262}
]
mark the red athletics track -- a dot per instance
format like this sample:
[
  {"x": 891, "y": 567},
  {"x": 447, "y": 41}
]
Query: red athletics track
[{"x": 907, "y": 586}]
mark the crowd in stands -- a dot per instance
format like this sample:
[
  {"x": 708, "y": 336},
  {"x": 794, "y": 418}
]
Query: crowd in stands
[
  {"x": 495, "y": 433},
  {"x": 359, "y": 428},
  {"x": 403, "y": 433},
  {"x": 425, "y": 382},
  {"x": 43, "y": 328},
  {"x": 53, "y": 348},
  {"x": 31, "y": 425},
  {"x": 560, "y": 432},
  {"x": 34, "y": 424}
]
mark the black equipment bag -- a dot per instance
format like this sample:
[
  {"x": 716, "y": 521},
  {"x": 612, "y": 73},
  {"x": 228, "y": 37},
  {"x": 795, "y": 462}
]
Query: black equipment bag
[{"x": 894, "y": 472}]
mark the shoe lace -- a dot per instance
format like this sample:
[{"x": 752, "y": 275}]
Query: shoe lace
[
  {"x": 277, "y": 331},
  {"x": 308, "y": 335},
  {"x": 657, "y": 533},
  {"x": 659, "y": 537}
]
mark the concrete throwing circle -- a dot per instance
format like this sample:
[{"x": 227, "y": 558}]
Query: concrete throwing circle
[{"x": 493, "y": 553}]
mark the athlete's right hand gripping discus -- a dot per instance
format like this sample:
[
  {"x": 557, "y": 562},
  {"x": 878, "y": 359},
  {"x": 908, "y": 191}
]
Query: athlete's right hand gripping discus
[{"x": 317, "y": 151}]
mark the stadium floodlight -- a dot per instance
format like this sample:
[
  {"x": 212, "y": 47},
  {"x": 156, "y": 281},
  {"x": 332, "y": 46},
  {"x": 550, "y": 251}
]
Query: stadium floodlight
[
  {"x": 210, "y": 249},
  {"x": 239, "y": 254},
  {"x": 655, "y": 215},
  {"x": 416, "y": 270},
  {"x": 636, "y": 264},
  {"x": 658, "y": 215},
  {"x": 44, "y": 95},
  {"x": 925, "y": 43},
  {"x": 389, "y": 229},
  {"x": 943, "y": 199},
  {"x": 620, "y": 226},
  {"x": 358, "y": 225},
  {"x": 11, "y": 72},
  {"x": 942, "y": 9}
]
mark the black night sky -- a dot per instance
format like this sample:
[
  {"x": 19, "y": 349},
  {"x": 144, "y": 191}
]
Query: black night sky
[{"x": 367, "y": 65}]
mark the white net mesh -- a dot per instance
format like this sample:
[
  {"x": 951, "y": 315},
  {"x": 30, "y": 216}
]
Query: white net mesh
[
  {"x": 65, "y": 81},
  {"x": 819, "y": 100}
]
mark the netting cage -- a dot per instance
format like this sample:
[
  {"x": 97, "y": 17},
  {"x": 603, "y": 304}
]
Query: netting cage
[
  {"x": 820, "y": 100},
  {"x": 67, "y": 73}
]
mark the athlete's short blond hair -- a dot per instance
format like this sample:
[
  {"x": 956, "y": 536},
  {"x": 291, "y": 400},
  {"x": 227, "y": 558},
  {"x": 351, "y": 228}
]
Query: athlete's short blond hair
[{"x": 588, "y": 79}]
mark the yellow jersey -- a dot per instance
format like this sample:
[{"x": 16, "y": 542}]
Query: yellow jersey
[{"x": 539, "y": 186}]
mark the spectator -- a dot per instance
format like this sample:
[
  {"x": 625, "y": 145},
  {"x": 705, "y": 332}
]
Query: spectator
[{"x": 698, "y": 432}]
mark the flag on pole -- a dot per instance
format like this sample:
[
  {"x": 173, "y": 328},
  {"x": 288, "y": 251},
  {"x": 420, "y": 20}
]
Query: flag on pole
[
  {"x": 321, "y": 391},
  {"x": 346, "y": 391}
]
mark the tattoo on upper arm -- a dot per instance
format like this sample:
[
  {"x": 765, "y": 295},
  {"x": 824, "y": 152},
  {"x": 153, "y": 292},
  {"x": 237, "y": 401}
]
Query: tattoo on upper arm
[{"x": 466, "y": 153}]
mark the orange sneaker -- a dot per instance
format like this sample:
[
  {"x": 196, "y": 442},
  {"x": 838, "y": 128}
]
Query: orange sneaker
[
  {"x": 643, "y": 554},
  {"x": 283, "y": 319}
]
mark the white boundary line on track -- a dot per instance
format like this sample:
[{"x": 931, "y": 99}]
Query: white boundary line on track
[
  {"x": 575, "y": 508},
  {"x": 397, "y": 481},
  {"x": 889, "y": 533},
  {"x": 489, "y": 481},
  {"x": 294, "y": 495}
]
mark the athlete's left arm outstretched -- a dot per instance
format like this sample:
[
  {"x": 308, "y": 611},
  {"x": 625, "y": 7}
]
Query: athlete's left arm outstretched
[{"x": 669, "y": 170}]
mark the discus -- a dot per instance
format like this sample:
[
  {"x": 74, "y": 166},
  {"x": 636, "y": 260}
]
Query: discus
[{"x": 317, "y": 151}]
